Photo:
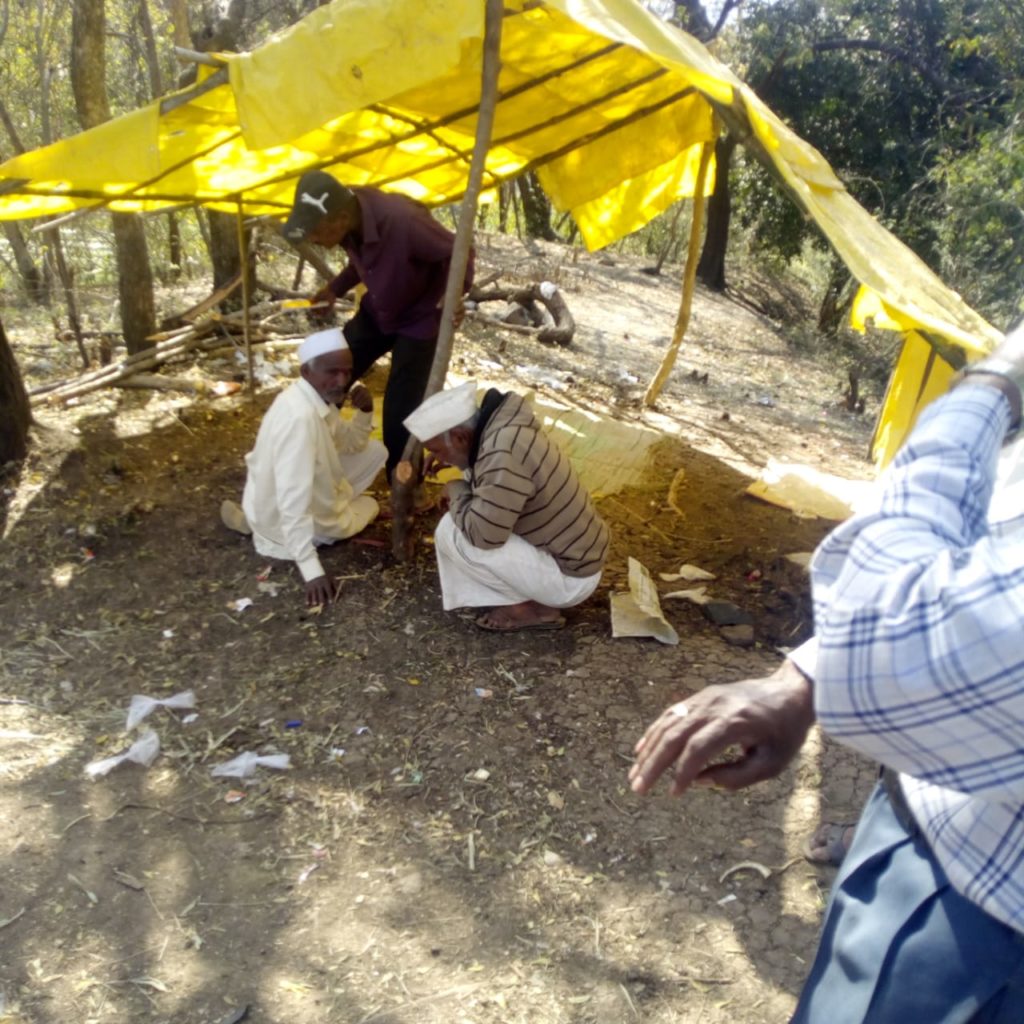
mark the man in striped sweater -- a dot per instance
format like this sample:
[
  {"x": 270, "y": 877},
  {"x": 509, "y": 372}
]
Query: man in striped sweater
[{"x": 521, "y": 537}]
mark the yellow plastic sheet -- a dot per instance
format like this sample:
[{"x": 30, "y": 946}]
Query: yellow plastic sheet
[{"x": 608, "y": 103}]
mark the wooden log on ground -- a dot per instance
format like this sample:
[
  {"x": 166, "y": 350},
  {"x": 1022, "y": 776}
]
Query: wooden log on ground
[
  {"x": 545, "y": 293},
  {"x": 146, "y": 360}
]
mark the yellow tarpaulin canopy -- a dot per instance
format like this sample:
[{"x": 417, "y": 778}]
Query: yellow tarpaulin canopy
[{"x": 607, "y": 103}]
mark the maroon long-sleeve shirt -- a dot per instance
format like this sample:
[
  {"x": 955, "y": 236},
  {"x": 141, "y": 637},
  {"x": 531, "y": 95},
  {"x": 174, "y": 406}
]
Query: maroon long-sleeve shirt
[{"x": 402, "y": 255}]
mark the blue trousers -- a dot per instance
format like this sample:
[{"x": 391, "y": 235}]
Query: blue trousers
[{"x": 899, "y": 945}]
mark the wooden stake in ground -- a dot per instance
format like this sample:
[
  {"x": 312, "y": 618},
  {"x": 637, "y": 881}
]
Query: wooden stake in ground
[
  {"x": 689, "y": 279},
  {"x": 402, "y": 493},
  {"x": 243, "y": 260}
]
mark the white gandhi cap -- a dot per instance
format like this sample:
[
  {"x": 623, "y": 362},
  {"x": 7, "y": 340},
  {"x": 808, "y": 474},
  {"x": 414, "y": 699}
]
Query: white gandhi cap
[
  {"x": 331, "y": 340},
  {"x": 442, "y": 411}
]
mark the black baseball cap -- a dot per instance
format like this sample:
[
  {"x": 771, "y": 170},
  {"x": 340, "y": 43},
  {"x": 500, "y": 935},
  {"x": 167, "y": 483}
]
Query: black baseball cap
[{"x": 317, "y": 195}]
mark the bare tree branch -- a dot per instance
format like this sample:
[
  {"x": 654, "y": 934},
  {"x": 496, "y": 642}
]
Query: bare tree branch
[{"x": 827, "y": 45}]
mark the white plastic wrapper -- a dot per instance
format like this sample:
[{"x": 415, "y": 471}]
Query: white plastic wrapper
[
  {"x": 143, "y": 751},
  {"x": 142, "y": 706},
  {"x": 687, "y": 572},
  {"x": 548, "y": 289},
  {"x": 245, "y": 764},
  {"x": 637, "y": 612}
]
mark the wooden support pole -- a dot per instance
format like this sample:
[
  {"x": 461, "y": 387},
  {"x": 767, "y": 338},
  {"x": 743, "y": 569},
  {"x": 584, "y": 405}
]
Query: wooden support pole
[
  {"x": 402, "y": 493},
  {"x": 243, "y": 257},
  {"x": 689, "y": 279}
]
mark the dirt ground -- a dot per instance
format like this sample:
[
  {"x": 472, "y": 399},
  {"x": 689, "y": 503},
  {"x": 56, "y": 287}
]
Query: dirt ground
[{"x": 455, "y": 840}]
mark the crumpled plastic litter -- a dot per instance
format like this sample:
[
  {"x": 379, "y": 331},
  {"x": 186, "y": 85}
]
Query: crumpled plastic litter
[
  {"x": 687, "y": 572},
  {"x": 245, "y": 764},
  {"x": 637, "y": 611},
  {"x": 698, "y": 595},
  {"x": 142, "y": 706},
  {"x": 143, "y": 751}
]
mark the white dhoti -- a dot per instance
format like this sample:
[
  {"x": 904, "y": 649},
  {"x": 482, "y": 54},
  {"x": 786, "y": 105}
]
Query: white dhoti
[
  {"x": 473, "y": 577},
  {"x": 360, "y": 469}
]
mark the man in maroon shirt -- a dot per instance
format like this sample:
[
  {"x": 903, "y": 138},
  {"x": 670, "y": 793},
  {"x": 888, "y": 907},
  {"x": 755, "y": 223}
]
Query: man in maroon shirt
[{"x": 401, "y": 254}]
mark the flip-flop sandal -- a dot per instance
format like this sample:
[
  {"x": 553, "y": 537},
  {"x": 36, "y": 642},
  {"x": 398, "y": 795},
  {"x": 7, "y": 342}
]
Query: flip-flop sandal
[
  {"x": 825, "y": 844},
  {"x": 545, "y": 624}
]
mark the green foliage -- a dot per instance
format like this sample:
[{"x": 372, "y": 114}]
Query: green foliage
[
  {"x": 980, "y": 221},
  {"x": 915, "y": 105}
]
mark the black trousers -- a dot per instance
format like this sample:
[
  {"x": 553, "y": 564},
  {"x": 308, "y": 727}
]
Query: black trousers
[{"x": 411, "y": 360}]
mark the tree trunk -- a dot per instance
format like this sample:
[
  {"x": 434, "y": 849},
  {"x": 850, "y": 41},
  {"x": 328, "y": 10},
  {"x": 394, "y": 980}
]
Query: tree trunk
[
  {"x": 225, "y": 257},
  {"x": 711, "y": 268},
  {"x": 836, "y": 301},
  {"x": 31, "y": 277},
  {"x": 134, "y": 281},
  {"x": 15, "y": 415},
  {"x": 536, "y": 208},
  {"x": 149, "y": 45},
  {"x": 174, "y": 252},
  {"x": 88, "y": 82},
  {"x": 178, "y": 11},
  {"x": 221, "y": 31}
]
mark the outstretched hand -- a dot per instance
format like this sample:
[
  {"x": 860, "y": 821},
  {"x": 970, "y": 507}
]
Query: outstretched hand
[
  {"x": 320, "y": 590},
  {"x": 768, "y": 719}
]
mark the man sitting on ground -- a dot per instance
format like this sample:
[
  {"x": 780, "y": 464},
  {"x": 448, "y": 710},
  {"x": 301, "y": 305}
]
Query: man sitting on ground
[
  {"x": 310, "y": 467},
  {"x": 521, "y": 537},
  {"x": 401, "y": 255}
]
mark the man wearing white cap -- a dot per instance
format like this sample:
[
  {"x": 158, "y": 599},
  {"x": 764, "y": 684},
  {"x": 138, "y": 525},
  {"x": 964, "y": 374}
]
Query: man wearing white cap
[
  {"x": 522, "y": 537},
  {"x": 309, "y": 467},
  {"x": 401, "y": 255}
]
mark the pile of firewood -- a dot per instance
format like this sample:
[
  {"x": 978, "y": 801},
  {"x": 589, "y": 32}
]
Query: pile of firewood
[{"x": 207, "y": 334}]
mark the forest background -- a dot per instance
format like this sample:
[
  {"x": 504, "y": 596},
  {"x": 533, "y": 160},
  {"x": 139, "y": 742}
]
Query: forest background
[
  {"x": 917, "y": 105},
  {"x": 455, "y": 840}
]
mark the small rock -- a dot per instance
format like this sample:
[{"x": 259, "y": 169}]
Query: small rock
[
  {"x": 738, "y": 636},
  {"x": 724, "y": 613},
  {"x": 552, "y": 859}
]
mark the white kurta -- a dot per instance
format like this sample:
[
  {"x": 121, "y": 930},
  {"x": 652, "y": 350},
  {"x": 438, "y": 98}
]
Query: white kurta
[
  {"x": 473, "y": 577},
  {"x": 306, "y": 476}
]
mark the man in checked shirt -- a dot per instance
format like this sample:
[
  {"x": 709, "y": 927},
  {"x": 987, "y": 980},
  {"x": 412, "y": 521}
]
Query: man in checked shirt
[{"x": 919, "y": 664}]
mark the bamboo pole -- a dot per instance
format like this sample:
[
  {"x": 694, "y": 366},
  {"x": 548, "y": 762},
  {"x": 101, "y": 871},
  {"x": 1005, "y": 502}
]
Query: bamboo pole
[
  {"x": 402, "y": 493},
  {"x": 689, "y": 279},
  {"x": 243, "y": 256}
]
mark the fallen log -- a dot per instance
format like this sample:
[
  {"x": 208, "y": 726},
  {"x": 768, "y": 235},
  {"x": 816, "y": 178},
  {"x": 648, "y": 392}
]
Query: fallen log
[
  {"x": 142, "y": 361},
  {"x": 161, "y": 352},
  {"x": 544, "y": 292}
]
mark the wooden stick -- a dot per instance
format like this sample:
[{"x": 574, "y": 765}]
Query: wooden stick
[
  {"x": 243, "y": 257},
  {"x": 689, "y": 278},
  {"x": 402, "y": 494},
  {"x": 197, "y": 57}
]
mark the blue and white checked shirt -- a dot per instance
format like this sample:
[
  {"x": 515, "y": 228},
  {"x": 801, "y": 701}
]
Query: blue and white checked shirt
[{"x": 919, "y": 615}]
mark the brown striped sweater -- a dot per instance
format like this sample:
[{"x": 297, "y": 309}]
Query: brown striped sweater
[{"x": 521, "y": 482}]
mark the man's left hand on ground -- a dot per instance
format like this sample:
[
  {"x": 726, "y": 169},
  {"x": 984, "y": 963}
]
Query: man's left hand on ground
[
  {"x": 361, "y": 398},
  {"x": 320, "y": 591},
  {"x": 767, "y": 718}
]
